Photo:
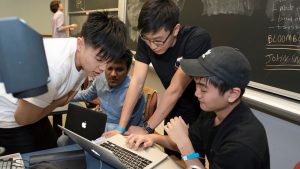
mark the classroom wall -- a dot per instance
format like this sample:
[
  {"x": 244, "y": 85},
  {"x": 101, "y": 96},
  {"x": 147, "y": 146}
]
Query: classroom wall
[
  {"x": 35, "y": 12},
  {"x": 283, "y": 139}
]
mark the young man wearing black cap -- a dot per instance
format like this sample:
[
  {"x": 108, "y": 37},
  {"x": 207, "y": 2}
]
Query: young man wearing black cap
[{"x": 229, "y": 133}]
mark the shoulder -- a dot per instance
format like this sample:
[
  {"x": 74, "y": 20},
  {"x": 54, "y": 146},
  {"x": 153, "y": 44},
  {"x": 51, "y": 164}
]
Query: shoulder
[{"x": 194, "y": 32}]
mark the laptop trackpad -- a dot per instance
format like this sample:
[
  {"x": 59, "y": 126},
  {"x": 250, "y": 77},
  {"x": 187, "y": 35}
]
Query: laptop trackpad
[{"x": 70, "y": 159}]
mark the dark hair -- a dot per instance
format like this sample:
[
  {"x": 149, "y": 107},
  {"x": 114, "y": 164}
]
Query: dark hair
[
  {"x": 54, "y": 5},
  {"x": 126, "y": 57},
  {"x": 221, "y": 85},
  {"x": 157, "y": 14},
  {"x": 105, "y": 32}
]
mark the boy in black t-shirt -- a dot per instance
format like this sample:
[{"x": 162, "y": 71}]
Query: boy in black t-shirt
[
  {"x": 163, "y": 42},
  {"x": 228, "y": 132}
]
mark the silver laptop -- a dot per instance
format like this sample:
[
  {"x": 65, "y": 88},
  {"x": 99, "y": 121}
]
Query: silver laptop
[
  {"x": 88, "y": 123},
  {"x": 114, "y": 152}
]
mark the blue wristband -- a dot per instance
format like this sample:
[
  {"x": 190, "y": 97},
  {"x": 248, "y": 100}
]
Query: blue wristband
[
  {"x": 121, "y": 129},
  {"x": 191, "y": 156}
]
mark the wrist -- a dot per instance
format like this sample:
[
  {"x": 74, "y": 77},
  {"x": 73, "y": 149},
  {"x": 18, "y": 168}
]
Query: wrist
[
  {"x": 147, "y": 127},
  {"x": 121, "y": 129},
  {"x": 191, "y": 156}
]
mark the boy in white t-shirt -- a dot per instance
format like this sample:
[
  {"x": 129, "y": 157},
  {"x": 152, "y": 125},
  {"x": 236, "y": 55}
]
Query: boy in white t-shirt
[{"x": 24, "y": 126}]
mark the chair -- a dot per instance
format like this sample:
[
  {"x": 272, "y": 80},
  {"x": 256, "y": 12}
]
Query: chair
[{"x": 151, "y": 102}]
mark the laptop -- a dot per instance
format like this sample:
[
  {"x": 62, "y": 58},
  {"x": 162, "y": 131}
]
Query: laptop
[
  {"x": 114, "y": 152},
  {"x": 88, "y": 123}
]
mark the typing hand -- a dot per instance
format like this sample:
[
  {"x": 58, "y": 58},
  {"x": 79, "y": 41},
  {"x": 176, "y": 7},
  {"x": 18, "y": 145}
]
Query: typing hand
[
  {"x": 111, "y": 133},
  {"x": 136, "y": 141},
  {"x": 136, "y": 130}
]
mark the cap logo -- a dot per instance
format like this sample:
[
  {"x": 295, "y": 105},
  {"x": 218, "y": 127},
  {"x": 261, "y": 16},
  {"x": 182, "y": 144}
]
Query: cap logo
[{"x": 206, "y": 53}]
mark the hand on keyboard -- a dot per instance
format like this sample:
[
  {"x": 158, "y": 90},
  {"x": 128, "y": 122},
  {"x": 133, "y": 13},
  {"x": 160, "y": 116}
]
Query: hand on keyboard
[{"x": 136, "y": 141}]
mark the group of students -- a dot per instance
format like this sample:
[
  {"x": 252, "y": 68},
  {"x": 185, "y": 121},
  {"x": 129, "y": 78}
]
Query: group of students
[{"x": 201, "y": 105}]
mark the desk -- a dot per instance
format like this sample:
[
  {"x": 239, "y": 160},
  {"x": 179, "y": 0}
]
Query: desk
[{"x": 93, "y": 163}]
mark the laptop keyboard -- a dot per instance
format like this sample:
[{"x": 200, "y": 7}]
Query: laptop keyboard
[
  {"x": 128, "y": 158},
  {"x": 6, "y": 163}
]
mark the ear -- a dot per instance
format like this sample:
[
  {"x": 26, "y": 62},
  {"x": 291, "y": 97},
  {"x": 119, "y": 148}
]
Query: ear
[
  {"x": 234, "y": 94},
  {"x": 80, "y": 43},
  {"x": 176, "y": 29}
]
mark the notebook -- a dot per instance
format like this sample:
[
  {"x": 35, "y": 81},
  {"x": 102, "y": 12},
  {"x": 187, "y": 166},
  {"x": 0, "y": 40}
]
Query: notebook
[
  {"x": 114, "y": 152},
  {"x": 88, "y": 123}
]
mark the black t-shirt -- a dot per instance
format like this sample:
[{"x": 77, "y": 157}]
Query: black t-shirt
[
  {"x": 240, "y": 141},
  {"x": 191, "y": 43}
]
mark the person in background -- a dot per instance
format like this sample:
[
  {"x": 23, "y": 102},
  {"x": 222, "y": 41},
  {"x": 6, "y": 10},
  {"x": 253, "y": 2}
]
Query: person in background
[
  {"x": 164, "y": 42},
  {"x": 24, "y": 125},
  {"x": 228, "y": 132},
  {"x": 59, "y": 29},
  {"x": 111, "y": 87}
]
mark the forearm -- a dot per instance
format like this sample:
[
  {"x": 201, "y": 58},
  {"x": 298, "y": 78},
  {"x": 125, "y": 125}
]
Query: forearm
[
  {"x": 185, "y": 148},
  {"x": 131, "y": 99},
  {"x": 164, "y": 141},
  {"x": 177, "y": 86},
  {"x": 28, "y": 113},
  {"x": 166, "y": 104}
]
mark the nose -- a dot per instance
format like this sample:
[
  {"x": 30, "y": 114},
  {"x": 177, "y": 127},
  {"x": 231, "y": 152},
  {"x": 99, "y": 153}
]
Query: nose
[
  {"x": 152, "y": 45},
  {"x": 102, "y": 67},
  {"x": 113, "y": 73},
  {"x": 198, "y": 93}
]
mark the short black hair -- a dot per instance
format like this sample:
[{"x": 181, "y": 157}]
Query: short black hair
[
  {"x": 157, "y": 14},
  {"x": 105, "y": 32},
  {"x": 54, "y": 5},
  {"x": 221, "y": 85},
  {"x": 126, "y": 57}
]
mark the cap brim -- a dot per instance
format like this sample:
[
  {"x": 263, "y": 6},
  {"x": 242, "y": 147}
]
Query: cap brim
[{"x": 193, "y": 67}]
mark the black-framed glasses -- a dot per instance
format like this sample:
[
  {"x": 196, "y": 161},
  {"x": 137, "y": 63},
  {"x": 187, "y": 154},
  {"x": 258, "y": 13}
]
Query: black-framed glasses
[{"x": 156, "y": 42}]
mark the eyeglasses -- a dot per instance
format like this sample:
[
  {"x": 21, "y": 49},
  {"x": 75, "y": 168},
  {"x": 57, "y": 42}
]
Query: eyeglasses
[{"x": 155, "y": 42}]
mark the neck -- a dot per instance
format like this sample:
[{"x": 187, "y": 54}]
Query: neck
[{"x": 223, "y": 113}]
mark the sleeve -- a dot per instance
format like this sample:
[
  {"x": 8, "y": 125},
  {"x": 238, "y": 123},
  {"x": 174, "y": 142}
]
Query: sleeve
[
  {"x": 45, "y": 99},
  {"x": 234, "y": 155},
  {"x": 88, "y": 94},
  {"x": 60, "y": 22},
  {"x": 197, "y": 44},
  {"x": 142, "y": 53}
]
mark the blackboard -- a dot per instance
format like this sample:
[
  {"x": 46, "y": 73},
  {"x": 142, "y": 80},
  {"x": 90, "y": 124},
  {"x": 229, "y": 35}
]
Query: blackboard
[
  {"x": 81, "y": 5},
  {"x": 266, "y": 31},
  {"x": 79, "y": 9}
]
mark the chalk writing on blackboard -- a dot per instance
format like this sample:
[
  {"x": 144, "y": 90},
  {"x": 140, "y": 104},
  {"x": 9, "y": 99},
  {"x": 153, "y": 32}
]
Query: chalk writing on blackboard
[
  {"x": 217, "y": 7},
  {"x": 283, "y": 38}
]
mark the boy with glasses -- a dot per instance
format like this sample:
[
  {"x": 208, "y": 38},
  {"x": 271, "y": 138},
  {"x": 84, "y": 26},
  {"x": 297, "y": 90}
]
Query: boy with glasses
[
  {"x": 24, "y": 125},
  {"x": 164, "y": 42}
]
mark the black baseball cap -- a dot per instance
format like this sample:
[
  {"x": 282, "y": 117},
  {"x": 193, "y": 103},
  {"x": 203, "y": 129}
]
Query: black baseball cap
[{"x": 223, "y": 62}]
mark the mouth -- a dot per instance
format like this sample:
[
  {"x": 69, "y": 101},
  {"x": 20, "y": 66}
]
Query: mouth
[
  {"x": 96, "y": 73},
  {"x": 113, "y": 80}
]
